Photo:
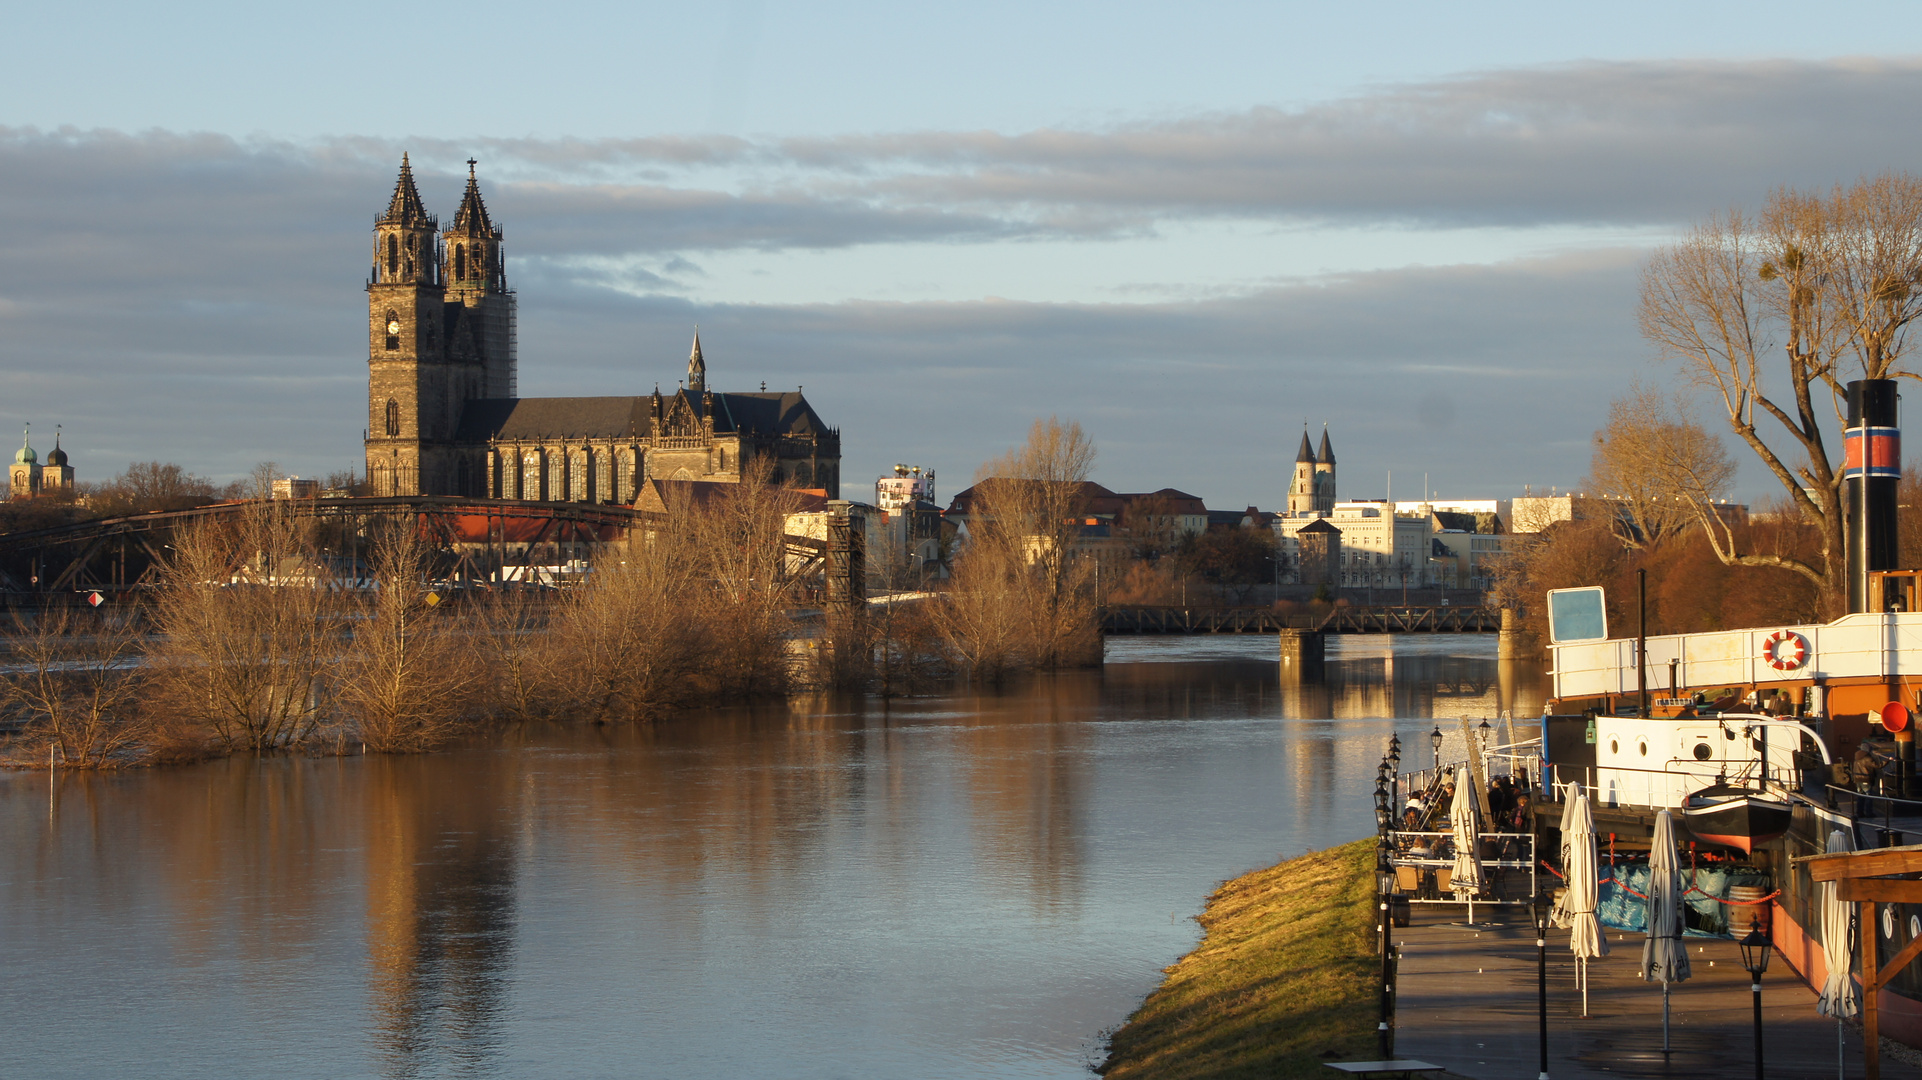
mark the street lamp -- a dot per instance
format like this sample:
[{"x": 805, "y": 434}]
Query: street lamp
[
  {"x": 1435, "y": 740},
  {"x": 1542, "y": 903},
  {"x": 1755, "y": 957},
  {"x": 1486, "y": 729},
  {"x": 1384, "y": 885}
]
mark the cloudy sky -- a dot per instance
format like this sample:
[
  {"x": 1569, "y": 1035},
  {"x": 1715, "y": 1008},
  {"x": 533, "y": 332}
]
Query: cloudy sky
[{"x": 1190, "y": 227}]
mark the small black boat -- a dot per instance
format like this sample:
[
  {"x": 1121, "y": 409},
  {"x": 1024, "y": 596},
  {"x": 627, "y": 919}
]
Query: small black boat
[{"x": 1735, "y": 817}]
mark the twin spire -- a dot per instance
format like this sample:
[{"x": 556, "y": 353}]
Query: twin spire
[
  {"x": 405, "y": 208},
  {"x": 471, "y": 219}
]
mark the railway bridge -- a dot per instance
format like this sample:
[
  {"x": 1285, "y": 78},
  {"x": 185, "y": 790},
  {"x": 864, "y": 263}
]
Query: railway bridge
[
  {"x": 480, "y": 540},
  {"x": 1351, "y": 619}
]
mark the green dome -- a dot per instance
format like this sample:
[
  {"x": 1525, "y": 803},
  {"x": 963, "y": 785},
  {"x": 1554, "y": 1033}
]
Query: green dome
[{"x": 25, "y": 455}]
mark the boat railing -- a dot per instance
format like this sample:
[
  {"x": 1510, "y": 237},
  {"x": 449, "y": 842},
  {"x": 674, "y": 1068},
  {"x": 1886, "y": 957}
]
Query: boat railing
[{"x": 1558, "y": 777}]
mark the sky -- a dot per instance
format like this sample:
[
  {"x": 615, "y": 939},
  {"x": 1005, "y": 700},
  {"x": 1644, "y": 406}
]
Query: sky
[{"x": 1191, "y": 228}]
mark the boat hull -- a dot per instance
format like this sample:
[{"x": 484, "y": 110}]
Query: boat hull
[{"x": 1740, "y": 823}]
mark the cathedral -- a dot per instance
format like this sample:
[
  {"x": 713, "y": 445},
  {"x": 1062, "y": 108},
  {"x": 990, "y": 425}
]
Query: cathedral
[{"x": 444, "y": 416}]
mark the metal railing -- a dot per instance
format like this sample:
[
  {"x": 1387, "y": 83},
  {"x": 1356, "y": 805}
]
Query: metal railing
[{"x": 1520, "y": 844}]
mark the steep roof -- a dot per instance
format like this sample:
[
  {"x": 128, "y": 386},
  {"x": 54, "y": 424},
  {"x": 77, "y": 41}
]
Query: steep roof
[
  {"x": 1319, "y": 525},
  {"x": 1327, "y": 454},
  {"x": 532, "y": 419},
  {"x": 471, "y": 219},
  {"x": 1306, "y": 456},
  {"x": 405, "y": 208}
]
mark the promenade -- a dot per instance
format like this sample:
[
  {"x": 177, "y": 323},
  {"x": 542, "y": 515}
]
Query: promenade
[{"x": 1468, "y": 1002}]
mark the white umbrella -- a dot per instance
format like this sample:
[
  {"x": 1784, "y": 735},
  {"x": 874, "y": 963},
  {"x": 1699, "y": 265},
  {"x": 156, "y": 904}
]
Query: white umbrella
[
  {"x": 1838, "y": 990},
  {"x": 1581, "y": 862},
  {"x": 1664, "y": 956},
  {"x": 1466, "y": 879}
]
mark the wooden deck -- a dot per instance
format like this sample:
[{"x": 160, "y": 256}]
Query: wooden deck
[{"x": 1468, "y": 1002}]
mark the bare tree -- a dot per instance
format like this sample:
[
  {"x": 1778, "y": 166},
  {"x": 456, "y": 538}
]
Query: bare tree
[
  {"x": 76, "y": 681},
  {"x": 1831, "y": 281},
  {"x": 409, "y": 678},
  {"x": 1666, "y": 471},
  {"x": 1022, "y": 593},
  {"x": 251, "y": 626}
]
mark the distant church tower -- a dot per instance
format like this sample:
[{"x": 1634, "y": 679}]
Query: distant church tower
[
  {"x": 477, "y": 278},
  {"x": 1325, "y": 476},
  {"x": 23, "y": 477},
  {"x": 1312, "y": 489}
]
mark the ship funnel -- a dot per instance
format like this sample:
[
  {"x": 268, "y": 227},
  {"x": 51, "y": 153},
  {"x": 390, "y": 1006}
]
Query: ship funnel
[{"x": 1871, "y": 472}]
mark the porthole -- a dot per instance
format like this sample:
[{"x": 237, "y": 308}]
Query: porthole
[
  {"x": 1641, "y": 746},
  {"x": 1888, "y": 922},
  {"x": 1614, "y": 746},
  {"x": 1915, "y": 926},
  {"x": 1702, "y": 751}
]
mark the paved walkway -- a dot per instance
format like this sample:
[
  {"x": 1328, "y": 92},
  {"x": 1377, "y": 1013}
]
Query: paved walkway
[{"x": 1468, "y": 1002}]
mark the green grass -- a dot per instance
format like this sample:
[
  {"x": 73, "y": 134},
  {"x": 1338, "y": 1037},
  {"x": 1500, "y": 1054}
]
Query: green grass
[{"x": 1283, "y": 980}]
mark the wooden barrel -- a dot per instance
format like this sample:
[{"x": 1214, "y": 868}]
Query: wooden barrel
[{"x": 1741, "y": 914}]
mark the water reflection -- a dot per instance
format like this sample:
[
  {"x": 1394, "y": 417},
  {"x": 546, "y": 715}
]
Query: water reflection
[{"x": 971, "y": 885}]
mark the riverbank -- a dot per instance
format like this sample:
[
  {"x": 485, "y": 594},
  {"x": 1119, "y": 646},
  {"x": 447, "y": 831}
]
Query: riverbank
[{"x": 1282, "y": 981}]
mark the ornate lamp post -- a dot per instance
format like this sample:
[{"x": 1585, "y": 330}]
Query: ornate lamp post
[
  {"x": 1394, "y": 770},
  {"x": 1384, "y": 885},
  {"x": 1755, "y": 957},
  {"x": 1542, "y": 903},
  {"x": 1486, "y": 730},
  {"x": 1435, "y": 740}
]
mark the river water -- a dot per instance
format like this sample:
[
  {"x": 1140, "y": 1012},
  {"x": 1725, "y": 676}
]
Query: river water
[{"x": 967, "y": 885}]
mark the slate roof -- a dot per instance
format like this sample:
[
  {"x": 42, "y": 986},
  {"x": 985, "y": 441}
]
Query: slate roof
[
  {"x": 1306, "y": 456},
  {"x": 471, "y": 219},
  {"x": 533, "y": 419}
]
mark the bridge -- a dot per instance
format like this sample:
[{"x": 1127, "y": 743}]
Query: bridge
[
  {"x": 481, "y": 537},
  {"x": 1352, "y": 619}
]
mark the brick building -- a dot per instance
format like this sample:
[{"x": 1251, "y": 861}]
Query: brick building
[{"x": 443, "y": 412}]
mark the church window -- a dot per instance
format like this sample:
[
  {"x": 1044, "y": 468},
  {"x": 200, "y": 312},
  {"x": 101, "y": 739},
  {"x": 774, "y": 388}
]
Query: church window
[
  {"x": 460, "y": 262},
  {"x": 393, "y": 256},
  {"x": 577, "y": 476},
  {"x": 803, "y": 476},
  {"x": 393, "y": 418},
  {"x": 392, "y": 327},
  {"x": 531, "y": 475}
]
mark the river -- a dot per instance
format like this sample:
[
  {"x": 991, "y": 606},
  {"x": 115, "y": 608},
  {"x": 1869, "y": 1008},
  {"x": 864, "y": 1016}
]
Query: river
[{"x": 965, "y": 885}]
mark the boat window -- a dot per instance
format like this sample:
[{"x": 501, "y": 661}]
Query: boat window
[
  {"x": 1888, "y": 921},
  {"x": 1614, "y": 746},
  {"x": 1729, "y": 734},
  {"x": 1702, "y": 751},
  {"x": 1642, "y": 745}
]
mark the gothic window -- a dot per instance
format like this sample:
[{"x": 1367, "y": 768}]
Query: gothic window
[
  {"x": 803, "y": 476},
  {"x": 393, "y": 256},
  {"x": 577, "y": 476},
  {"x": 460, "y": 262},
  {"x": 531, "y": 475},
  {"x": 393, "y": 418}
]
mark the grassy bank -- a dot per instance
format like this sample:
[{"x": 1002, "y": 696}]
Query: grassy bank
[{"x": 1282, "y": 981}]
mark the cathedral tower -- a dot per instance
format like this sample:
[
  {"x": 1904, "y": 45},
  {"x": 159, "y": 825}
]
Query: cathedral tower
[
  {"x": 407, "y": 408},
  {"x": 475, "y": 268}
]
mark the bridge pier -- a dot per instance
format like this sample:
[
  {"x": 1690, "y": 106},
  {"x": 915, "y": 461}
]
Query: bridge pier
[
  {"x": 1509, "y": 647},
  {"x": 1302, "y": 652}
]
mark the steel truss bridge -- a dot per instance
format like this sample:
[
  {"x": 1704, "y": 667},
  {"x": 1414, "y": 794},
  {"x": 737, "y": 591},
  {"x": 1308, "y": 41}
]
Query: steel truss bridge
[
  {"x": 482, "y": 540},
  {"x": 1380, "y": 619}
]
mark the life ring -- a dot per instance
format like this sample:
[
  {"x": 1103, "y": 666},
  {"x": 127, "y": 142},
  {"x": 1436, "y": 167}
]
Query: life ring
[{"x": 1790, "y": 659}]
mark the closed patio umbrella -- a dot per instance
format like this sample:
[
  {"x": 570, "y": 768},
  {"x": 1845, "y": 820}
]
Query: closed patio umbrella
[
  {"x": 1466, "y": 878},
  {"x": 1838, "y": 990},
  {"x": 1664, "y": 956},
  {"x": 1581, "y": 862}
]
